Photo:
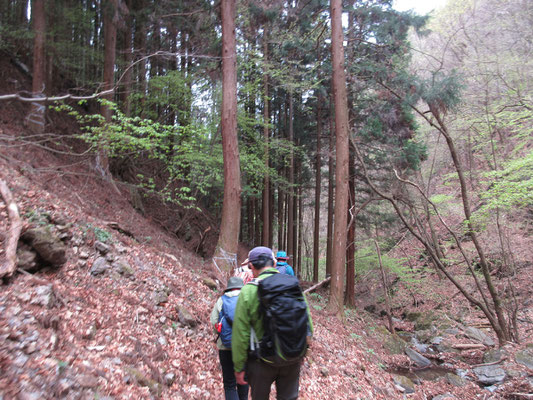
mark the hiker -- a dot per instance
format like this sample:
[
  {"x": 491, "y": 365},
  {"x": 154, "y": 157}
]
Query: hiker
[
  {"x": 244, "y": 272},
  {"x": 222, "y": 320},
  {"x": 256, "y": 360},
  {"x": 282, "y": 265}
]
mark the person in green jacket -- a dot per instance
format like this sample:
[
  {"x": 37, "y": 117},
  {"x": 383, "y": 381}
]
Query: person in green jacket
[{"x": 247, "y": 316}]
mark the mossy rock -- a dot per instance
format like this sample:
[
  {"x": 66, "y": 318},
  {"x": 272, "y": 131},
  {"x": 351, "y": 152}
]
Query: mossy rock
[
  {"x": 394, "y": 344},
  {"x": 425, "y": 321},
  {"x": 154, "y": 387}
]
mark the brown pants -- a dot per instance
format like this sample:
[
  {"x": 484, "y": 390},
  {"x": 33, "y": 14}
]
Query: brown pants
[{"x": 261, "y": 376}]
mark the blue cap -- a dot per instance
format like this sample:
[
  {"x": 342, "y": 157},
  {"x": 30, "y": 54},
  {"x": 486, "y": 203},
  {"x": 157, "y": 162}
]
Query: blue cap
[
  {"x": 260, "y": 252},
  {"x": 282, "y": 255}
]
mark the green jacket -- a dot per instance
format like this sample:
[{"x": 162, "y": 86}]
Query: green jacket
[{"x": 247, "y": 315}]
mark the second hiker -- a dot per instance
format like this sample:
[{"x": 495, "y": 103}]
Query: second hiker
[
  {"x": 271, "y": 327},
  {"x": 222, "y": 320}
]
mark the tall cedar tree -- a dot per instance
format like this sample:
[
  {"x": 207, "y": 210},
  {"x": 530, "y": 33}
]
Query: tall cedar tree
[
  {"x": 231, "y": 206},
  {"x": 341, "y": 171}
]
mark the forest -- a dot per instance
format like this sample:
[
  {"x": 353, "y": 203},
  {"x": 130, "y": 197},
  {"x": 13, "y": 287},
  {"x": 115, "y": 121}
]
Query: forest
[{"x": 146, "y": 146}]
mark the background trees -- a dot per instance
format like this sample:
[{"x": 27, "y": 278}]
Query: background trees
[{"x": 462, "y": 97}]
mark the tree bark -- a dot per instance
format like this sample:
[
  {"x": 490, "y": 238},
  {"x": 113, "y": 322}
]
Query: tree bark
[
  {"x": 331, "y": 192},
  {"x": 385, "y": 281},
  {"x": 266, "y": 134},
  {"x": 128, "y": 59},
  {"x": 350, "y": 245},
  {"x": 341, "y": 171},
  {"x": 9, "y": 265},
  {"x": 318, "y": 184},
  {"x": 290, "y": 193},
  {"x": 36, "y": 118},
  {"x": 231, "y": 206}
]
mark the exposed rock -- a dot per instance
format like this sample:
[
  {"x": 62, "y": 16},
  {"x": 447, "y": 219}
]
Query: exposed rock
[
  {"x": 84, "y": 255},
  {"x": 480, "y": 336},
  {"x": 445, "y": 396},
  {"x": 493, "y": 355},
  {"x": 49, "y": 247},
  {"x": 90, "y": 332},
  {"x": 489, "y": 374},
  {"x": 210, "y": 283},
  {"x": 102, "y": 247},
  {"x": 154, "y": 387},
  {"x": 186, "y": 317},
  {"x": 87, "y": 381},
  {"x": 123, "y": 268},
  {"x": 43, "y": 296},
  {"x": 452, "y": 331},
  {"x": 27, "y": 258},
  {"x": 324, "y": 371},
  {"x": 170, "y": 378},
  {"x": 525, "y": 357},
  {"x": 394, "y": 344},
  {"x": 159, "y": 297},
  {"x": 437, "y": 340},
  {"x": 404, "y": 383},
  {"x": 100, "y": 266},
  {"x": 424, "y": 335},
  {"x": 455, "y": 380},
  {"x": 417, "y": 358}
]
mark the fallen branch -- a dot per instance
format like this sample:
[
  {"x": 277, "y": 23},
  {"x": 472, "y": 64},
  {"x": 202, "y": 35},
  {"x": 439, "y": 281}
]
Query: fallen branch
[
  {"x": 468, "y": 346},
  {"x": 8, "y": 267},
  {"x": 490, "y": 363},
  {"x": 318, "y": 285},
  {"x": 114, "y": 225}
]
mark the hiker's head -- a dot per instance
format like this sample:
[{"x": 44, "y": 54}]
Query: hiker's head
[
  {"x": 260, "y": 257},
  {"x": 234, "y": 283}
]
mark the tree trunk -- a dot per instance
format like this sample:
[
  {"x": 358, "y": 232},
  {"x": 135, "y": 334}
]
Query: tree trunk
[
  {"x": 350, "y": 247},
  {"x": 128, "y": 59},
  {"x": 231, "y": 206},
  {"x": 290, "y": 193},
  {"x": 503, "y": 331},
  {"x": 266, "y": 134},
  {"x": 36, "y": 119},
  {"x": 331, "y": 191},
  {"x": 341, "y": 171},
  {"x": 300, "y": 229},
  {"x": 139, "y": 43},
  {"x": 385, "y": 281},
  {"x": 316, "y": 238}
]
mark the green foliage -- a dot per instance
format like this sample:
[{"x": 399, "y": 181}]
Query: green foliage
[
  {"x": 169, "y": 97},
  {"x": 366, "y": 260},
  {"x": 102, "y": 235},
  {"x": 414, "y": 153},
  {"x": 99, "y": 234},
  {"x": 185, "y": 151},
  {"x": 509, "y": 188}
]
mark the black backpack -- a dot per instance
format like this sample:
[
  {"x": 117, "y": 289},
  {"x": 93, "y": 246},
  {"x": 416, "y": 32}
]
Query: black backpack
[{"x": 285, "y": 319}]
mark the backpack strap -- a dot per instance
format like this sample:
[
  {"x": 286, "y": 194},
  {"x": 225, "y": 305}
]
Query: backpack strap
[{"x": 254, "y": 343}]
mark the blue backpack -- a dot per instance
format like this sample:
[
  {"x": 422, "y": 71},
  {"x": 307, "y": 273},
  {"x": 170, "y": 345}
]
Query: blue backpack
[{"x": 226, "y": 318}]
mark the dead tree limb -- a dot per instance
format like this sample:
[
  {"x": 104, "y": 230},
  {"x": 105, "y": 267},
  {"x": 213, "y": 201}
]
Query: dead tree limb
[
  {"x": 9, "y": 265},
  {"x": 318, "y": 285}
]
